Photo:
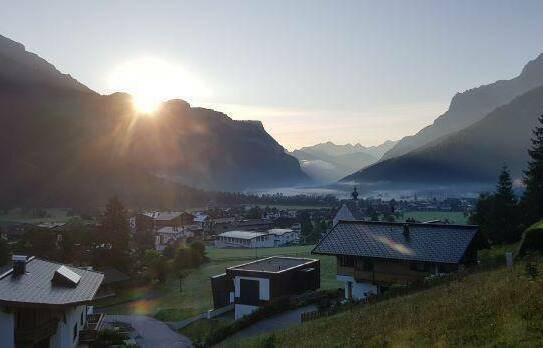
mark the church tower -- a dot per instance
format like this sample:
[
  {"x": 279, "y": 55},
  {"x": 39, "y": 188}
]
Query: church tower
[{"x": 354, "y": 194}]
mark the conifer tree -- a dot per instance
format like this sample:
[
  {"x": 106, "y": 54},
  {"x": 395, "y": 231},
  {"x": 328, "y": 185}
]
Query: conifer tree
[
  {"x": 506, "y": 214},
  {"x": 532, "y": 200}
]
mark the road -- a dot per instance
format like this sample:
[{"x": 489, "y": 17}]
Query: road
[{"x": 150, "y": 332}]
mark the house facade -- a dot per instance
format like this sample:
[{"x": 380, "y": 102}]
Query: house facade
[
  {"x": 257, "y": 284},
  {"x": 274, "y": 237},
  {"x": 375, "y": 255},
  {"x": 44, "y": 304}
]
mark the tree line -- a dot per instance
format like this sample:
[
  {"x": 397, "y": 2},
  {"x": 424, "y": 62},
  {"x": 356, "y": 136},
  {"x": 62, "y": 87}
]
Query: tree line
[{"x": 501, "y": 216}]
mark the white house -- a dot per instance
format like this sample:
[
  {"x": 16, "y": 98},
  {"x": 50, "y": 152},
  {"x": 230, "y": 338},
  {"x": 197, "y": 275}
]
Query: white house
[
  {"x": 244, "y": 239},
  {"x": 284, "y": 236},
  {"x": 44, "y": 304},
  {"x": 274, "y": 237}
]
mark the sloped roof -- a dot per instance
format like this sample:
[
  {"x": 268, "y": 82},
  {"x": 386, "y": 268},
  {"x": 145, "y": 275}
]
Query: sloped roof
[
  {"x": 241, "y": 234},
  {"x": 424, "y": 242},
  {"x": 280, "y": 231},
  {"x": 343, "y": 214},
  {"x": 36, "y": 287},
  {"x": 164, "y": 215}
]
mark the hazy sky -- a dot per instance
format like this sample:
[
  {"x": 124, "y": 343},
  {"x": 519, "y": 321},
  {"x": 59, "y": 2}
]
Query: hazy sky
[{"x": 312, "y": 71}]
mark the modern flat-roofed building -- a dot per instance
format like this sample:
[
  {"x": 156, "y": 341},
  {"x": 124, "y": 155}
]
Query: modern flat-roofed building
[
  {"x": 44, "y": 304},
  {"x": 256, "y": 284},
  {"x": 372, "y": 255}
]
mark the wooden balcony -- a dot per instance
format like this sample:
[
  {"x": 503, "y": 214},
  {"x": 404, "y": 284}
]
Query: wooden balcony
[{"x": 381, "y": 276}]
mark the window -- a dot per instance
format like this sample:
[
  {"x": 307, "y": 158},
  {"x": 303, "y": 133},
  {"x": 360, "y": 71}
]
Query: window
[
  {"x": 81, "y": 321},
  {"x": 75, "y": 332},
  {"x": 346, "y": 261},
  {"x": 367, "y": 265},
  {"x": 420, "y": 266}
]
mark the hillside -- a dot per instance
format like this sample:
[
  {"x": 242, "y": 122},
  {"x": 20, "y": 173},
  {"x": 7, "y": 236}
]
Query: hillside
[
  {"x": 63, "y": 144},
  {"x": 471, "y": 106},
  {"x": 326, "y": 162},
  {"x": 473, "y": 154},
  {"x": 501, "y": 308}
]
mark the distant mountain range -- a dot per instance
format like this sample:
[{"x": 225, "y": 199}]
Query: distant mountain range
[
  {"x": 327, "y": 162},
  {"x": 470, "y": 106},
  {"x": 476, "y": 152},
  {"x": 62, "y": 143}
]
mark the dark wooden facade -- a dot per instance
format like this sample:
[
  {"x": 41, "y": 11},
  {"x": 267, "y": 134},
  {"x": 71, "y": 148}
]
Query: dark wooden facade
[{"x": 293, "y": 281}]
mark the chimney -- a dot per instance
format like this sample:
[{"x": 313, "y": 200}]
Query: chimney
[
  {"x": 406, "y": 230},
  {"x": 19, "y": 265}
]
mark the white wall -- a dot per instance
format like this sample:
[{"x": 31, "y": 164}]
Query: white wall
[
  {"x": 7, "y": 329},
  {"x": 263, "y": 286},
  {"x": 359, "y": 290},
  {"x": 64, "y": 336},
  {"x": 264, "y": 294}
]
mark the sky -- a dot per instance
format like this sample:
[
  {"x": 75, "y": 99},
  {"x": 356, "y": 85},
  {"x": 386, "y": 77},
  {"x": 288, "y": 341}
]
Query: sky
[{"x": 311, "y": 71}]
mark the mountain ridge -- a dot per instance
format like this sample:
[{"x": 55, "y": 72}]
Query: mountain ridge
[
  {"x": 471, "y": 106},
  {"x": 64, "y": 143}
]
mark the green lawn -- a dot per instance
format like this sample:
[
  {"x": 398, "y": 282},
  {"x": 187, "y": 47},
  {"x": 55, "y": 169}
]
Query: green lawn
[
  {"x": 52, "y": 215},
  {"x": 196, "y": 297},
  {"x": 455, "y": 217},
  {"x": 500, "y": 308}
]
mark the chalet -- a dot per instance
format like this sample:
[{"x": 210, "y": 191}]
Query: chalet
[
  {"x": 44, "y": 304},
  {"x": 166, "y": 235},
  {"x": 374, "y": 255},
  {"x": 256, "y": 284},
  {"x": 152, "y": 221}
]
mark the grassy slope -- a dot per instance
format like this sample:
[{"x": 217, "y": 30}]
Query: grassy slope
[
  {"x": 196, "y": 295},
  {"x": 500, "y": 308},
  {"x": 455, "y": 217}
]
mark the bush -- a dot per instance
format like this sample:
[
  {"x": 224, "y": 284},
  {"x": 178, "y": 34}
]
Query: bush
[{"x": 532, "y": 239}]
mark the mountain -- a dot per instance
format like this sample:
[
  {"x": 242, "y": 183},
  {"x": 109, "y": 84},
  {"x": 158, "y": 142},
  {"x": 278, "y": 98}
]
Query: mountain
[
  {"x": 328, "y": 162},
  {"x": 62, "y": 143},
  {"x": 474, "y": 154},
  {"x": 471, "y": 106}
]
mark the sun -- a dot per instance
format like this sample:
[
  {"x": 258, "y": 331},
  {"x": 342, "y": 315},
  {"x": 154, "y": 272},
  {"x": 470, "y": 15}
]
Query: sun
[{"x": 152, "y": 81}]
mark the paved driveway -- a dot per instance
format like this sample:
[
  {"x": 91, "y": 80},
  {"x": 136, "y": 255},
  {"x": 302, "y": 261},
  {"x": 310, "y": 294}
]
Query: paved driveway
[
  {"x": 150, "y": 332},
  {"x": 277, "y": 322}
]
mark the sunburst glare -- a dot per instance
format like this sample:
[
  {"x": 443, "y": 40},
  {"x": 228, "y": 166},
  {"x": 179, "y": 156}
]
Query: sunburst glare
[{"x": 152, "y": 81}]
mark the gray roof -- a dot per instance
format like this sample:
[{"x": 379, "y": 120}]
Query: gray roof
[
  {"x": 273, "y": 264},
  {"x": 35, "y": 286},
  {"x": 241, "y": 234},
  {"x": 344, "y": 213},
  {"x": 425, "y": 242}
]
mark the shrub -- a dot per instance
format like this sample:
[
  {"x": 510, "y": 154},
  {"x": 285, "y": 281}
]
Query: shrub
[{"x": 532, "y": 239}]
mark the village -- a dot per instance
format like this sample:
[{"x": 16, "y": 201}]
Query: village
[{"x": 270, "y": 265}]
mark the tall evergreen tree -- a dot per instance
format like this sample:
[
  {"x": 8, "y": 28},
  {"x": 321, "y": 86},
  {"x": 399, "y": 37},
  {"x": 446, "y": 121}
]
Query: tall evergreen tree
[
  {"x": 498, "y": 214},
  {"x": 506, "y": 217},
  {"x": 115, "y": 231},
  {"x": 532, "y": 200},
  {"x": 4, "y": 250}
]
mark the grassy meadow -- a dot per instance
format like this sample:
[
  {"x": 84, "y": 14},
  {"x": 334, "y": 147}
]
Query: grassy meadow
[
  {"x": 499, "y": 308},
  {"x": 195, "y": 297},
  {"x": 454, "y": 217}
]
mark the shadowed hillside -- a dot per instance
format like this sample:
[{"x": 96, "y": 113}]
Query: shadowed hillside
[{"x": 63, "y": 143}]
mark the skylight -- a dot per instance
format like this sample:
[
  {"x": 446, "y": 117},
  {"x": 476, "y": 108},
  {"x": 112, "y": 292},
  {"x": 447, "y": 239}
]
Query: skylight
[{"x": 65, "y": 277}]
